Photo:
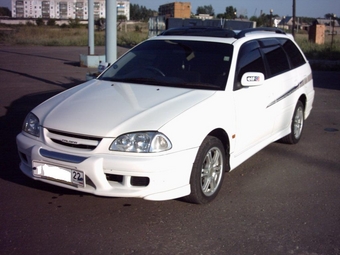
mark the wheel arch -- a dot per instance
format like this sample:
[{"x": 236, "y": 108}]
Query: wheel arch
[
  {"x": 222, "y": 135},
  {"x": 303, "y": 100}
]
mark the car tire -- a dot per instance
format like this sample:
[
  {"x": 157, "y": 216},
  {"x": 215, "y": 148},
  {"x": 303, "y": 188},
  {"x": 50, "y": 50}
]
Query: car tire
[
  {"x": 207, "y": 172},
  {"x": 297, "y": 125}
]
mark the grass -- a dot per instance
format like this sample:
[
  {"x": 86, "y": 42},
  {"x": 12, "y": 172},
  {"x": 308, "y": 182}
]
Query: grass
[
  {"x": 326, "y": 51},
  {"x": 63, "y": 36},
  {"x": 46, "y": 36},
  {"x": 328, "y": 54},
  {"x": 321, "y": 57}
]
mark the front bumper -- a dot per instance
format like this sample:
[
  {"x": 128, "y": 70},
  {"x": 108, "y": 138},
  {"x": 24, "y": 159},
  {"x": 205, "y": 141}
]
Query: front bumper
[{"x": 114, "y": 174}]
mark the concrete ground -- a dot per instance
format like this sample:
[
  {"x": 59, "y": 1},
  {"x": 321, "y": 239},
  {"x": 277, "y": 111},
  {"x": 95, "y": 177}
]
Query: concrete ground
[{"x": 283, "y": 200}]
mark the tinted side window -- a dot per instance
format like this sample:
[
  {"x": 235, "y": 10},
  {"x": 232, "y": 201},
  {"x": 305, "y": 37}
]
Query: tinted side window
[
  {"x": 294, "y": 55},
  {"x": 249, "y": 60},
  {"x": 276, "y": 59}
]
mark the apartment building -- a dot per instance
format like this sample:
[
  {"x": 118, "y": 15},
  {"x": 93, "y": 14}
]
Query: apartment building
[{"x": 64, "y": 9}]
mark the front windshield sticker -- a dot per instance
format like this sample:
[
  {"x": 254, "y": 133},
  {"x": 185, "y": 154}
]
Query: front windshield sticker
[{"x": 191, "y": 56}]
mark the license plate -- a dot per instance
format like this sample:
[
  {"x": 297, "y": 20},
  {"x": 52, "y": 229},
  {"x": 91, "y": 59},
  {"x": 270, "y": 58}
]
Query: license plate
[{"x": 59, "y": 173}]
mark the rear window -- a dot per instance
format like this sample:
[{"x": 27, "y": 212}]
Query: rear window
[{"x": 294, "y": 54}]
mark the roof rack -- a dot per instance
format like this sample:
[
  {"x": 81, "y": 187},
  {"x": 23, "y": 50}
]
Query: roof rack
[
  {"x": 217, "y": 31},
  {"x": 200, "y": 31},
  {"x": 243, "y": 32}
]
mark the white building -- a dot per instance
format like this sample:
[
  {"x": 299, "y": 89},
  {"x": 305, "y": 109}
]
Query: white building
[{"x": 64, "y": 9}]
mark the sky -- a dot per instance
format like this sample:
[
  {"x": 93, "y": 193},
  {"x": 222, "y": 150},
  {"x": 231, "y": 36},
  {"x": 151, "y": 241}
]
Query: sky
[{"x": 304, "y": 8}]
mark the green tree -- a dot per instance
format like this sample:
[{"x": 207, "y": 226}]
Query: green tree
[
  {"x": 74, "y": 23},
  {"x": 51, "y": 22},
  {"x": 121, "y": 18},
  {"x": 140, "y": 13},
  {"x": 206, "y": 9},
  {"x": 4, "y": 11},
  {"x": 329, "y": 16},
  {"x": 220, "y": 16},
  {"x": 261, "y": 20},
  {"x": 230, "y": 13},
  {"x": 39, "y": 22}
]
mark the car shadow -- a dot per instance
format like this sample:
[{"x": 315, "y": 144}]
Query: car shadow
[
  {"x": 326, "y": 79},
  {"x": 47, "y": 81},
  {"x": 12, "y": 51},
  {"x": 11, "y": 124}
]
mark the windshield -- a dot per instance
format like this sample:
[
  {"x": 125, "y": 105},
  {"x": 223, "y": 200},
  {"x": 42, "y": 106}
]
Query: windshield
[{"x": 174, "y": 63}]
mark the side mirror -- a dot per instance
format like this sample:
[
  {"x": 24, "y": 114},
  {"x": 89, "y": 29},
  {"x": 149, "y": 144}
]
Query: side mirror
[{"x": 252, "y": 79}]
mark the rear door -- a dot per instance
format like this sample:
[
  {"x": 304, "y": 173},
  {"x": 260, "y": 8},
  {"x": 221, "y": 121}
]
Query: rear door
[
  {"x": 287, "y": 94},
  {"x": 281, "y": 80}
]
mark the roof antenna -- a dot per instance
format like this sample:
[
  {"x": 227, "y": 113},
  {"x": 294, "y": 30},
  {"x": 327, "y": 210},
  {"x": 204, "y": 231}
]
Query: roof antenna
[{"x": 222, "y": 23}]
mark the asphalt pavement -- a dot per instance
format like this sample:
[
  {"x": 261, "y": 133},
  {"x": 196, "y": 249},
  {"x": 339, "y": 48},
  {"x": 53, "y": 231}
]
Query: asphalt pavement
[{"x": 283, "y": 200}]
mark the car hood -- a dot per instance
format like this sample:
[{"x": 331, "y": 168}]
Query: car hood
[{"x": 107, "y": 109}]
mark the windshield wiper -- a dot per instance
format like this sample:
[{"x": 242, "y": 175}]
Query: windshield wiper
[
  {"x": 196, "y": 85},
  {"x": 147, "y": 81}
]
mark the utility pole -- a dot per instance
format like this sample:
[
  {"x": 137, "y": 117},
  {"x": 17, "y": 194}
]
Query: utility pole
[
  {"x": 294, "y": 17},
  {"x": 271, "y": 18},
  {"x": 91, "y": 27},
  {"x": 332, "y": 24},
  {"x": 111, "y": 31}
]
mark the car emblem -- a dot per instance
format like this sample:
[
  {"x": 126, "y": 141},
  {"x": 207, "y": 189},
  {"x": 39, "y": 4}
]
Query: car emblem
[{"x": 69, "y": 141}]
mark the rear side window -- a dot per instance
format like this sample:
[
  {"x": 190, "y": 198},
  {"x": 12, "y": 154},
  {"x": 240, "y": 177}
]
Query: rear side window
[
  {"x": 249, "y": 60},
  {"x": 275, "y": 56},
  {"x": 294, "y": 54}
]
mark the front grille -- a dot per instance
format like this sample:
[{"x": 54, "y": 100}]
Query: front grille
[
  {"x": 79, "y": 146},
  {"x": 73, "y": 140}
]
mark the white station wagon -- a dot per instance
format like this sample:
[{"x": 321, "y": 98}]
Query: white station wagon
[{"x": 172, "y": 115}]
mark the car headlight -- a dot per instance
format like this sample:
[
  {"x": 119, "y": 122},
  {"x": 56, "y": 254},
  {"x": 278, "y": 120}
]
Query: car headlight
[
  {"x": 142, "y": 142},
  {"x": 31, "y": 125}
]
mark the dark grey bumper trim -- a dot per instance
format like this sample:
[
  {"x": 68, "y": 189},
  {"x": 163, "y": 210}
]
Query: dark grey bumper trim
[{"x": 61, "y": 156}]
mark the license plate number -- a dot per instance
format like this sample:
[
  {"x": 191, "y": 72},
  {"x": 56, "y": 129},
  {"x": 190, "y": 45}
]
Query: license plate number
[
  {"x": 59, "y": 173},
  {"x": 78, "y": 177}
]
